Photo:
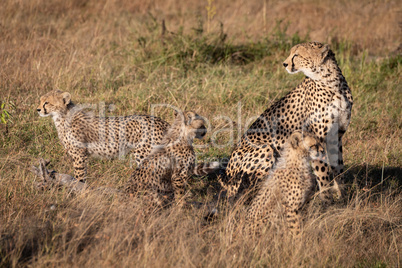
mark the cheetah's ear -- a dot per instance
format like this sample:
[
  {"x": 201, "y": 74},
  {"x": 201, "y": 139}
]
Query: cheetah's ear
[
  {"x": 189, "y": 119},
  {"x": 66, "y": 98},
  {"x": 180, "y": 116},
  {"x": 324, "y": 52},
  {"x": 296, "y": 139}
]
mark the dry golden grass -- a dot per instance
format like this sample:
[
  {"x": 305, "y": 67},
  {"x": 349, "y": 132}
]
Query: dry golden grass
[
  {"x": 112, "y": 52},
  {"x": 55, "y": 228}
]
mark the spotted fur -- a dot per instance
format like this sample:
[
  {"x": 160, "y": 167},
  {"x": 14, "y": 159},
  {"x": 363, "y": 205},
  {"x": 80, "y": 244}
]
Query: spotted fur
[
  {"x": 289, "y": 184},
  {"x": 321, "y": 105},
  {"x": 82, "y": 134},
  {"x": 164, "y": 173}
]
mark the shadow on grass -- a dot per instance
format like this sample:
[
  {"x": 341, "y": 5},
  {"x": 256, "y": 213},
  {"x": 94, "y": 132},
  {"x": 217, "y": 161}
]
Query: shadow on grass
[
  {"x": 357, "y": 179},
  {"x": 374, "y": 177}
]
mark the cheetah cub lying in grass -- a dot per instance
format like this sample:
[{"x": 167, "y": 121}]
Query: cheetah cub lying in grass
[
  {"x": 83, "y": 134},
  {"x": 163, "y": 174},
  {"x": 289, "y": 184}
]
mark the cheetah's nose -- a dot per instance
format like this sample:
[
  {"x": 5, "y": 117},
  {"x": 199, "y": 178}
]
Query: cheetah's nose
[{"x": 285, "y": 65}]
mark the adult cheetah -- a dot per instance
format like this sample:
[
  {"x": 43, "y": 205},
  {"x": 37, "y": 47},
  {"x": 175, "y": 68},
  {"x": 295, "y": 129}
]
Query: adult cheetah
[
  {"x": 83, "y": 134},
  {"x": 321, "y": 105},
  {"x": 164, "y": 173},
  {"x": 289, "y": 184}
]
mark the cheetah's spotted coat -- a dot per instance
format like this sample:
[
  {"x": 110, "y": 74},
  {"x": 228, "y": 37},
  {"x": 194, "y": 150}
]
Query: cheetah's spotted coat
[
  {"x": 288, "y": 185},
  {"x": 321, "y": 105},
  {"x": 83, "y": 134},
  {"x": 164, "y": 173}
]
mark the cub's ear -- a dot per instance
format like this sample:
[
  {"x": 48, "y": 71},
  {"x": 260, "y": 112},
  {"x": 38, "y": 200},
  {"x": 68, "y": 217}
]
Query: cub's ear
[
  {"x": 296, "y": 139},
  {"x": 324, "y": 52},
  {"x": 177, "y": 112},
  {"x": 180, "y": 116},
  {"x": 189, "y": 118},
  {"x": 66, "y": 98}
]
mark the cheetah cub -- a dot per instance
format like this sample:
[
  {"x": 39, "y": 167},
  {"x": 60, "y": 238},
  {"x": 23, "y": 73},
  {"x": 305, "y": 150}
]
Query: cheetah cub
[
  {"x": 321, "y": 104},
  {"x": 164, "y": 173},
  {"x": 289, "y": 184},
  {"x": 83, "y": 134}
]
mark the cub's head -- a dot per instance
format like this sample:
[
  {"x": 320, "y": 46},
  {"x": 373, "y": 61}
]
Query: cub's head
[
  {"x": 54, "y": 103},
  {"x": 307, "y": 58},
  {"x": 307, "y": 145},
  {"x": 193, "y": 124}
]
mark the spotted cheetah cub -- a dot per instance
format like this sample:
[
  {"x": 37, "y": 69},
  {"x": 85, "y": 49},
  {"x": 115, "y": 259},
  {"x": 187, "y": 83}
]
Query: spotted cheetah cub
[
  {"x": 83, "y": 134},
  {"x": 289, "y": 184},
  {"x": 164, "y": 173},
  {"x": 321, "y": 105}
]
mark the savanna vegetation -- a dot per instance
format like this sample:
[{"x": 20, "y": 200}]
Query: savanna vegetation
[{"x": 223, "y": 60}]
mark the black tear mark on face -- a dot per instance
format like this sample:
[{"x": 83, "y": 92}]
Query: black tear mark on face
[
  {"x": 44, "y": 108},
  {"x": 293, "y": 64}
]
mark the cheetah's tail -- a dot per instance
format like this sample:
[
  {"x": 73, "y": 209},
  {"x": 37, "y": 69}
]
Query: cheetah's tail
[{"x": 204, "y": 169}]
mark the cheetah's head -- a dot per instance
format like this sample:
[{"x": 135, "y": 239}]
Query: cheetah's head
[
  {"x": 54, "y": 103},
  {"x": 307, "y": 144},
  {"x": 194, "y": 124},
  {"x": 306, "y": 58}
]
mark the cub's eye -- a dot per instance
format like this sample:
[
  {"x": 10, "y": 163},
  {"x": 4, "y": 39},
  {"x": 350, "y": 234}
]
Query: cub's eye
[{"x": 45, "y": 103}]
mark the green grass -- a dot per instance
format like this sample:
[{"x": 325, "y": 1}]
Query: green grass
[{"x": 124, "y": 62}]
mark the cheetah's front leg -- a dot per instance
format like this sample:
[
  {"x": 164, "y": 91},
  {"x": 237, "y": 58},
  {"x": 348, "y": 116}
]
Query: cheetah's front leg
[
  {"x": 322, "y": 173},
  {"x": 157, "y": 198},
  {"x": 178, "y": 182},
  {"x": 79, "y": 157},
  {"x": 338, "y": 171},
  {"x": 329, "y": 170},
  {"x": 293, "y": 219}
]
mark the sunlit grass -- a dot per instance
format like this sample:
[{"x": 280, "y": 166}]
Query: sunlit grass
[{"x": 123, "y": 63}]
